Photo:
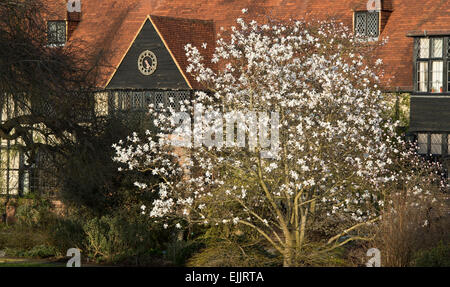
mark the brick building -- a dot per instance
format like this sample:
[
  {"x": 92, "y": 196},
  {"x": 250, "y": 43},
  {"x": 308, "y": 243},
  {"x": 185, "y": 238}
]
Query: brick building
[{"x": 140, "y": 45}]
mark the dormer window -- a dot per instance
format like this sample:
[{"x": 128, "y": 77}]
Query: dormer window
[
  {"x": 432, "y": 57},
  {"x": 56, "y": 33},
  {"x": 367, "y": 24}
]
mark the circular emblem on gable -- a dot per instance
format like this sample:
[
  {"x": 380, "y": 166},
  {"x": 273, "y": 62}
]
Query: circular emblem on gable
[{"x": 147, "y": 62}]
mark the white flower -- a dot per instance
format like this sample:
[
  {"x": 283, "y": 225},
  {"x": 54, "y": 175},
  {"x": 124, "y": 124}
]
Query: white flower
[
  {"x": 178, "y": 226},
  {"x": 140, "y": 185},
  {"x": 244, "y": 11}
]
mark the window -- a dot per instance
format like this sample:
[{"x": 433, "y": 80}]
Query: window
[
  {"x": 448, "y": 144},
  {"x": 367, "y": 24},
  {"x": 433, "y": 144},
  {"x": 422, "y": 141},
  {"x": 436, "y": 144},
  {"x": 448, "y": 64},
  {"x": 124, "y": 100},
  {"x": 14, "y": 177},
  {"x": 56, "y": 33},
  {"x": 432, "y": 62}
]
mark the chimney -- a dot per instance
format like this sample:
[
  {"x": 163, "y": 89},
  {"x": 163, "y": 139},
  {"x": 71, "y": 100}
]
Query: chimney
[{"x": 73, "y": 16}]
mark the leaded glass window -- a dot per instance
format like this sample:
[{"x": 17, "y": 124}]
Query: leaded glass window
[
  {"x": 13, "y": 174},
  {"x": 448, "y": 144},
  {"x": 437, "y": 48},
  {"x": 141, "y": 100},
  {"x": 360, "y": 24},
  {"x": 56, "y": 33},
  {"x": 432, "y": 74},
  {"x": 184, "y": 98},
  {"x": 422, "y": 142},
  {"x": 437, "y": 75},
  {"x": 372, "y": 24},
  {"x": 424, "y": 48},
  {"x": 422, "y": 76},
  {"x": 159, "y": 100},
  {"x": 448, "y": 47},
  {"x": 436, "y": 144},
  {"x": 448, "y": 76},
  {"x": 367, "y": 24}
]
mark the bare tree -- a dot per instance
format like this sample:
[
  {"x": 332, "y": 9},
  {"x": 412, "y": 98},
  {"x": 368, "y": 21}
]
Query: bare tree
[{"x": 46, "y": 98}]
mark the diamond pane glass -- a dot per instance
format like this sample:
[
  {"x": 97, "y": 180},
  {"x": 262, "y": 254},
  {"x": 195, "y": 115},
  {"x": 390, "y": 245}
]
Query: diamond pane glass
[
  {"x": 148, "y": 99},
  {"x": 183, "y": 99},
  {"x": 437, "y": 48},
  {"x": 13, "y": 182},
  {"x": 138, "y": 101},
  {"x": 56, "y": 32},
  {"x": 159, "y": 100},
  {"x": 125, "y": 100},
  {"x": 448, "y": 47},
  {"x": 372, "y": 24},
  {"x": 448, "y": 143},
  {"x": 437, "y": 75},
  {"x": 172, "y": 102},
  {"x": 436, "y": 144},
  {"x": 61, "y": 34},
  {"x": 422, "y": 141},
  {"x": 424, "y": 48},
  {"x": 360, "y": 24}
]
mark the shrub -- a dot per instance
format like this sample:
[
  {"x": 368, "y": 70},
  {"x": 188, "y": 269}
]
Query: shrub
[
  {"x": 122, "y": 239},
  {"x": 67, "y": 233},
  {"x": 34, "y": 211},
  {"x": 179, "y": 251},
  {"x": 20, "y": 238},
  {"x": 41, "y": 251},
  {"x": 438, "y": 256}
]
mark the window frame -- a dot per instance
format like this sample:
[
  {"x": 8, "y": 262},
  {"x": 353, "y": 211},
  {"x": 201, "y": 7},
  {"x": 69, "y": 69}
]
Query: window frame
[
  {"x": 124, "y": 100},
  {"x": 56, "y": 43},
  {"x": 366, "y": 13},
  {"x": 445, "y": 144},
  {"x": 445, "y": 59},
  {"x": 14, "y": 175}
]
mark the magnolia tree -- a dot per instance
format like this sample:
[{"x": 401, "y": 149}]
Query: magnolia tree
[{"x": 289, "y": 129}]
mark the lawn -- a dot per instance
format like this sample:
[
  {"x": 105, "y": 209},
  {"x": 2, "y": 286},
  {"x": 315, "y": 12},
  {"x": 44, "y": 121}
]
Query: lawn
[{"x": 16, "y": 262}]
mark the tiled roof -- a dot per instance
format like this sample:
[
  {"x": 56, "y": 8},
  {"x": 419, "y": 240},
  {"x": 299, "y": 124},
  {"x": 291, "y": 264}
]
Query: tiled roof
[
  {"x": 437, "y": 21},
  {"x": 177, "y": 32},
  {"x": 56, "y": 9},
  {"x": 109, "y": 26}
]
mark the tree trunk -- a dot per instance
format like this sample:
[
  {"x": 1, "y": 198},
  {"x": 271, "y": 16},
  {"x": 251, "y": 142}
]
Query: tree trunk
[{"x": 288, "y": 257}]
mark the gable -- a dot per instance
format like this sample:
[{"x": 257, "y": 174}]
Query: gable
[{"x": 167, "y": 74}]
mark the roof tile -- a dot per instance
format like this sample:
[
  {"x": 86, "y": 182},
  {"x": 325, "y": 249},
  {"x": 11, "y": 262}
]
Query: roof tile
[{"x": 108, "y": 27}]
